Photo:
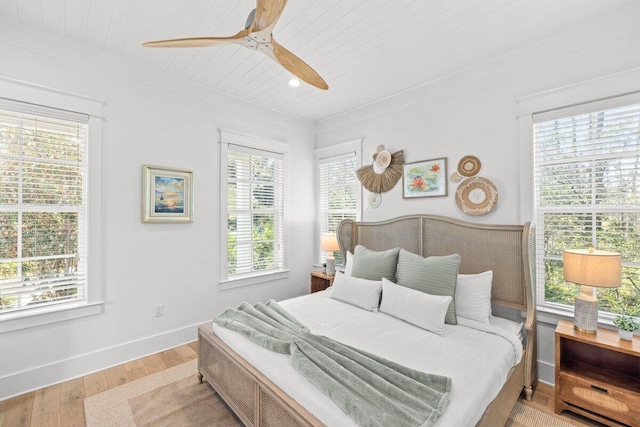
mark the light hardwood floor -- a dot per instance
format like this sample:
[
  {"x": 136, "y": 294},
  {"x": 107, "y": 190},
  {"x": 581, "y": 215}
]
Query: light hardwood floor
[{"x": 62, "y": 404}]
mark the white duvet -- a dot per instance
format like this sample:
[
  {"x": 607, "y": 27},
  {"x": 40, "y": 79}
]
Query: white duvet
[{"x": 475, "y": 355}]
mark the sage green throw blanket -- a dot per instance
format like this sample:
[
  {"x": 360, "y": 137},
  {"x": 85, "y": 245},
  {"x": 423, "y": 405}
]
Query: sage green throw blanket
[{"x": 373, "y": 391}]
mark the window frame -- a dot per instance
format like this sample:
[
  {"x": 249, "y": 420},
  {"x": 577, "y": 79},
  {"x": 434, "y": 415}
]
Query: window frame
[
  {"x": 93, "y": 304},
  {"x": 609, "y": 91},
  {"x": 250, "y": 142},
  {"x": 337, "y": 151}
]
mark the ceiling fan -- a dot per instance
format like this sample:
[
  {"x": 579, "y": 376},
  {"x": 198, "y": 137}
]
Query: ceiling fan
[{"x": 257, "y": 35}]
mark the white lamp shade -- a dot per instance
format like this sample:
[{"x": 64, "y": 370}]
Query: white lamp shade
[
  {"x": 329, "y": 243},
  {"x": 592, "y": 267}
]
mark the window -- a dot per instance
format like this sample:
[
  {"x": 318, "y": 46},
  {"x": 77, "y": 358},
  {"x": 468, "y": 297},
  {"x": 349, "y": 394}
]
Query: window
[
  {"x": 339, "y": 189},
  {"x": 44, "y": 212},
  {"x": 587, "y": 192},
  {"x": 253, "y": 208}
]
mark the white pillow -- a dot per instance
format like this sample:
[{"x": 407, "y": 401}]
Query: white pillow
[
  {"x": 359, "y": 292},
  {"x": 349, "y": 264},
  {"x": 418, "y": 308},
  {"x": 473, "y": 296}
]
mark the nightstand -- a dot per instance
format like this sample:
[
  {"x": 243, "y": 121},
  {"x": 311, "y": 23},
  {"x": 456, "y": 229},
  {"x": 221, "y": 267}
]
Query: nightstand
[
  {"x": 597, "y": 375},
  {"x": 320, "y": 281}
]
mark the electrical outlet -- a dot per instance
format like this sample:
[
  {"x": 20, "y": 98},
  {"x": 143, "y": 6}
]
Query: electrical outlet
[{"x": 159, "y": 310}]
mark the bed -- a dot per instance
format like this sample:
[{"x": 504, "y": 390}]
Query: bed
[{"x": 258, "y": 398}]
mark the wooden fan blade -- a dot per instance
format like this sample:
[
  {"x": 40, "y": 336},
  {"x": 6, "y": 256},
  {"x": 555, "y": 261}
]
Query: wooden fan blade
[
  {"x": 267, "y": 14},
  {"x": 297, "y": 66},
  {"x": 241, "y": 38}
]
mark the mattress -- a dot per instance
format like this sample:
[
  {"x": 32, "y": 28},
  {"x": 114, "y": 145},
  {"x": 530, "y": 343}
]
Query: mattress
[{"x": 477, "y": 356}]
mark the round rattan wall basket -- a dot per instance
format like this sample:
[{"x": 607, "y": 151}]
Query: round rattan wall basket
[
  {"x": 469, "y": 166},
  {"x": 476, "y": 196}
]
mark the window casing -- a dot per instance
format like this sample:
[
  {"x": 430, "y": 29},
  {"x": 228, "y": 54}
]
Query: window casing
[
  {"x": 338, "y": 189},
  {"x": 50, "y": 239},
  {"x": 587, "y": 192},
  {"x": 253, "y": 209}
]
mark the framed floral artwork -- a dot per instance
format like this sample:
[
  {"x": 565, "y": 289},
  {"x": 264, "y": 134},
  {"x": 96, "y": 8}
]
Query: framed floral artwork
[
  {"x": 167, "y": 194},
  {"x": 426, "y": 178}
]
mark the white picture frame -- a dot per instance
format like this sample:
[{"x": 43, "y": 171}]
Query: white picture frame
[{"x": 167, "y": 195}]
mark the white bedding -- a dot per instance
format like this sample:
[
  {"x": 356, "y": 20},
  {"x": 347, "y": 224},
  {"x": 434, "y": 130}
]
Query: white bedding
[{"x": 477, "y": 356}]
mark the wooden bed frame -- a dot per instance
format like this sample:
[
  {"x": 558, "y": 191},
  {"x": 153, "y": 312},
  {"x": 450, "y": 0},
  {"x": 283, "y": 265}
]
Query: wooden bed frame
[{"x": 505, "y": 249}]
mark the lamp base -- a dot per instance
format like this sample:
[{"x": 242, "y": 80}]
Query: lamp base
[
  {"x": 331, "y": 267},
  {"x": 585, "y": 318}
]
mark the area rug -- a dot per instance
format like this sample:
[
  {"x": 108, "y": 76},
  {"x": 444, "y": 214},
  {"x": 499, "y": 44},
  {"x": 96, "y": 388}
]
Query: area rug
[
  {"x": 174, "y": 397},
  {"x": 526, "y": 416}
]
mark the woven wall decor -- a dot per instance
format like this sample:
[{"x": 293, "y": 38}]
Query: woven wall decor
[
  {"x": 476, "y": 196},
  {"x": 387, "y": 179},
  {"x": 469, "y": 166},
  {"x": 382, "y": 159},
  {"x": 374, "y": 200}
]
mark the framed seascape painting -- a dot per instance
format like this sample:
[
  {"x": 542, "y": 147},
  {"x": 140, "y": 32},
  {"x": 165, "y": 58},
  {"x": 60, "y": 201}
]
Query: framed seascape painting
[
  {"x": 426, "y": 178},
  {"x": 167, "y": 194}
]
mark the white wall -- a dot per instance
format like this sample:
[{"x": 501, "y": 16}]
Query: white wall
[
  {"x": 152, "y": 119},
  {"x": 473, "y": 111}
]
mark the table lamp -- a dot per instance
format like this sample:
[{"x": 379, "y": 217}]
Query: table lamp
[
  {"x": 329, "y": 243},
  {"x": 590, "y": 268}
]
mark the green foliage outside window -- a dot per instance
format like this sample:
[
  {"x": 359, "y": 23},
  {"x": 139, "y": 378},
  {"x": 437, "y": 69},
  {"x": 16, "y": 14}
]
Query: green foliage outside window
[
  {"x": 41, "y": 175},
  {"x": 252, "y": 206},
  {"x": 588, "y": 193},
  {"x": 337, "y": 199}
]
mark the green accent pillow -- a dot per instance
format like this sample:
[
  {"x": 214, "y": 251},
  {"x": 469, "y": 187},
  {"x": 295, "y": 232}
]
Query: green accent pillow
[
  {"x": 435, "y": 275},
  {"x": 372, "y": 265}
]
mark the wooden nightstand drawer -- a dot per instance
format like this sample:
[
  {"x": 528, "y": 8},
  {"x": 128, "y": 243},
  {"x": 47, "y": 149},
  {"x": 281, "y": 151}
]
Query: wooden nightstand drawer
[{"x": 602, "y": 398}]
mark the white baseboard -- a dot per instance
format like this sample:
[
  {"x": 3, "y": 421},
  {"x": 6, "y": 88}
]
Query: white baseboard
[
  {"x": 546, "y": 372},
  {"x": 42, "y": 376}
]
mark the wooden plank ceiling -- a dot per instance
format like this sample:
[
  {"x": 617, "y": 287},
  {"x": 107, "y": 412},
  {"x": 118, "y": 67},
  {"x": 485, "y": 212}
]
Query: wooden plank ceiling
[{"x": 365, "y": 49}]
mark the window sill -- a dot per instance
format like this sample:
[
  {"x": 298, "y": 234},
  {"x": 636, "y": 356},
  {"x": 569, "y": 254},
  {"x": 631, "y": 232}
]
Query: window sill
[
  {"x": 253, "y": 280},
  {"x": 551, "y": 313},
  {"x": 32, "y": 318}
]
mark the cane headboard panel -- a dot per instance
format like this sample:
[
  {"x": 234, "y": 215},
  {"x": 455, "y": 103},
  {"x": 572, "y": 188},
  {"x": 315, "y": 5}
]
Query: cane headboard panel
[{"x": 501, "y": 248}]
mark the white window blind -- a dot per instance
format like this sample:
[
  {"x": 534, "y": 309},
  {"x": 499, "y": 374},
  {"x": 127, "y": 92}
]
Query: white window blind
[
  {"x": 587, "y": 192},
  {"x": 255, "y": 208},
  {"x": 43, "y": 206},
  {"x": 338, "y": 194}
]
